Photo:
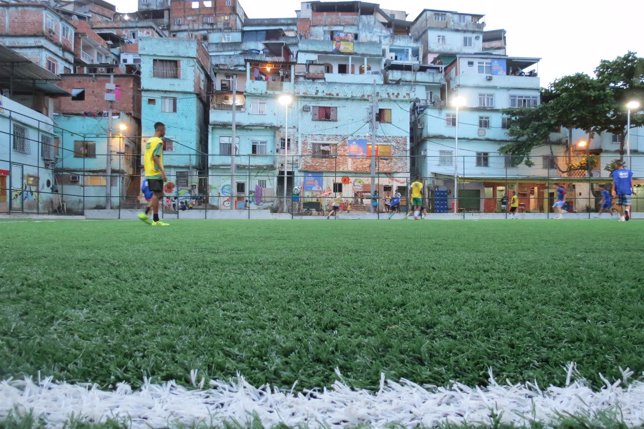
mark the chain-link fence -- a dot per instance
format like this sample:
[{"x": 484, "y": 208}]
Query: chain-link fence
[{"x": 49, "y": 170}]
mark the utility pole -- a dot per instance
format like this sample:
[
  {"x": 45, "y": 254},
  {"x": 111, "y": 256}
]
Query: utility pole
[
  {"x": 233, "y": 185},
  {"x": 373, "y": 127},
  {"x": 110, "y": 97}
]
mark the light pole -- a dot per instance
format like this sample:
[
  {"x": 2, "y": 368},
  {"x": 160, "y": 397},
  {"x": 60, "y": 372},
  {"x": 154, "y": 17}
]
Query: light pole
[
  {"x": 457, "y": 103},
  {"x": 121, "y": 153},
  {"x": 285, "y": 100},
  {"x": 631, "y": 105}
]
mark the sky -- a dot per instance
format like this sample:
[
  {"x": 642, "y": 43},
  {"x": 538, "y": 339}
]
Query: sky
[{"x": 569, "y": 36}]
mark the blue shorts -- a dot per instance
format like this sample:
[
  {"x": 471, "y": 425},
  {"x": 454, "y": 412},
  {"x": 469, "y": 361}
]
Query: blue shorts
[
  {"x": 624, "y": 200},
  {"x": 559, "y": 204},
  {"x": 607, "y": 206}
]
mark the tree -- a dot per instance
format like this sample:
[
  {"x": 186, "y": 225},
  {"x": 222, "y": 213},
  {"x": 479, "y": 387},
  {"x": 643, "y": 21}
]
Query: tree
[
  {"x": 575, "y": 101},
  {"x": 594, "y": 105},
  {"x": 624, "y": 78}
]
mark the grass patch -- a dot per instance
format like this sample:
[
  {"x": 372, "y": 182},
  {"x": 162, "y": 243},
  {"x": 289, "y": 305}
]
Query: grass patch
[{"x": 283, "y": 301}]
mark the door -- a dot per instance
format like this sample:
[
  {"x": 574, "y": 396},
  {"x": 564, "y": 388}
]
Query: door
[{"x": 3, "y": 194}]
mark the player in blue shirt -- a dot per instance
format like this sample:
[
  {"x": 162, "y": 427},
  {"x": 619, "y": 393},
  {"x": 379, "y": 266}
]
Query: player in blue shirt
[
  {"x": 623, "y": 189},
  {"x": 606, "y": 203},
  {"x": 561, "y": 200}
]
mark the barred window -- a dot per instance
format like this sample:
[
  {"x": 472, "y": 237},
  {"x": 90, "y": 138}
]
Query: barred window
[
  {"x": 445, "y": 158},
  {"x": 167, "y": 69},
  {"x": 183, "y": 179},
  {"x": 20, "y": 143}
]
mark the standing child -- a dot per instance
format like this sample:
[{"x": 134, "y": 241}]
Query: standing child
[
  {"x": 514, "y": 205},
  {"x": 623, "y": 190}
]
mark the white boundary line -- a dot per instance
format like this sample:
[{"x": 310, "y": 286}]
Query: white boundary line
[{"x": 404, "y": 403}]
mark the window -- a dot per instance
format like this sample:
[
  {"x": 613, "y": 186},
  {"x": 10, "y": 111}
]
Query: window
[
  {"x": 183, "y": 179},
  {"x": 84, "y": 149},
  {"x": 259, "y": 147},
  {"x": 207, "y": 3},
  {"x": 195, "y": 5},
  {"x": 343, "y": 69},
  {"x": 467, "y": 41},
  {"x": 445, "y": 158},
  {"x": 178, "y": 21},
  {"x": 283, "y": 143},
  {"x": 549, "y": 162},
  {"x": 324, "y": 150},
  {"x": 226, "y": 37},
  {"x": 450, "y": 120},
  {"x": 225, "y": 145},
  {"x": 169, "y": 104},
  {"x": 225, "y": 84},
  {"x": 617, "y": 139},
  {"x": 152, "y": 101},
  {"x": 440, "y": 39},
  {"x": 523, "y": 101},
  {"x": 484, "y": 67},
  {"x": 229, "y": 2},
  {"x": 67, "y": 70},
  {"x": 337, "y": 187},
  {"x": 241, "y": 188},
  {"x": 67, "y": 32},
  {"x": 208, "y": 20},
  {"x": 47, "y": 150},
  {"x": 94, "y": 181},
  {"x": 166, "y": 69},
  {"x": 20, "y": 143},
  {"x": 384, "y": 116},
  {"x": 440, "y": 17},
  {"x": 168, "y": 145},
  {"x": 484, "y": 122},
  {"x": 325, "y": 113},
  {"x": 463, "y": 18},
  {"x": 262, "y": 183},
  {"x": 506, "y": 122},
  {"x": 78, "y": 94},
  {"x": 482, "y": 159},
  {"x": 257, "y": 108},
  {"x": 486, "y": 100},
  {"x": 511, "y": 160},
  {"x": 51, "y": 65}
]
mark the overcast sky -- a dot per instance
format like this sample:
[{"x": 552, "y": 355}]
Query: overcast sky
[{"x": 568, "y": 35}]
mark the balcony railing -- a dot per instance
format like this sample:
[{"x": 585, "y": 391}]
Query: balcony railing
[{"x": 87, "y": 58}]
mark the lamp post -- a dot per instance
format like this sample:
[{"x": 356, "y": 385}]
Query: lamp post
[
  {"x": 121, "y": 153},
  {"x": 285, "y": 100},
  {"x": 457, "y": 103},
  {"x": 631, "y": 105}
]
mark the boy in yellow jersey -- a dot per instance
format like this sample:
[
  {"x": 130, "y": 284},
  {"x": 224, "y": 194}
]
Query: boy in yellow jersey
[
  {"x": 514, "y": 205},
  {"x": 154, "y": 173},
  {"x": 417, "y": 197}
]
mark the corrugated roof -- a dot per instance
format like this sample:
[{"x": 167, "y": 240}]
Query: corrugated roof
[{"x": 25, "y": 74}]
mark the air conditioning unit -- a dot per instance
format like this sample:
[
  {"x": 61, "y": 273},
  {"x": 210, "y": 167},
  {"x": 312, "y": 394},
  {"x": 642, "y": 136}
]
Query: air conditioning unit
[
  {"x": 488, "y": 77},
  {"x": 481, "y": 132},
  {"x": 306, "y": 108},
  {"x": 74, "y": 178}
]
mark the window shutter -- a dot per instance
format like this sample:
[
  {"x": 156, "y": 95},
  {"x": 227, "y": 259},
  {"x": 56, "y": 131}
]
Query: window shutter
[
  {"x": 316, "y": 113},
  {"x": 334, "y": 113}
]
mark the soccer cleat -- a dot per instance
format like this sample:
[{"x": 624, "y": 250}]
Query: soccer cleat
[
  {"x": 159, "y": 223},
  {"x": 627, "y": 216},
  {"x": 144, "y": 218}
]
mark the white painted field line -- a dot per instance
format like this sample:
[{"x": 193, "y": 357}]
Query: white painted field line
[{"x": 403, "y": 403}]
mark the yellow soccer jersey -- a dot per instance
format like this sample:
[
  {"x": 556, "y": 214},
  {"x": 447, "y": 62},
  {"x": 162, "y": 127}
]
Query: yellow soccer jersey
[
  {"x": 417, "y": 190},
  {"x": 154, "y": 147}
]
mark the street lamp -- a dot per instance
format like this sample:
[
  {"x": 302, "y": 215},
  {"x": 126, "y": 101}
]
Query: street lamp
[
  {"x": 285, "y": 100},
  {"x": 457, "y": 103},
  {"x": 631, "y": 105}
]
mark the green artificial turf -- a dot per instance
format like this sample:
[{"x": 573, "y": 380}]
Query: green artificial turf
[{"x": 287, "y": 301}]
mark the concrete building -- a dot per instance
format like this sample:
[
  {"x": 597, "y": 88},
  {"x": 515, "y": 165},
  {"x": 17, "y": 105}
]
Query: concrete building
[
  {"x": 29, "y": 147},
  {"x": 197, "y": 18},
  {"x": 175, "y": 77},
  {"x": 40, "y": 33}
]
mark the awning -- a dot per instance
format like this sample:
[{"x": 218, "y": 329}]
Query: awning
[
  {"x": 525, "y": 179},
  {"x": 24, "y": 75}
]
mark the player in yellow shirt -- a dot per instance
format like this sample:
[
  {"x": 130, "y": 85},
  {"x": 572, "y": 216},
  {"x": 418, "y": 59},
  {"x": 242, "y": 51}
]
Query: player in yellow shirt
[
  {"x": 154, "y": 173},
  {"x": 514, "y": 204},
  {"x": 417, "y": 197}
]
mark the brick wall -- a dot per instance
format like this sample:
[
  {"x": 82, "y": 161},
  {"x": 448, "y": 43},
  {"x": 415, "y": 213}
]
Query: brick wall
[
  {"x": 95, "y": 94},
  {"x": 23, "y": 21},
  {"x": 399, "y": 162}
]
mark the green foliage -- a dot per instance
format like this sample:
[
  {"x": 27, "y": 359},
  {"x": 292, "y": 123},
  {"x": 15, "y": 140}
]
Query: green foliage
[
  {"x": 283, "y": 301},
  {"x": 587, "y": 162},
  {"x": 593, "y": 104}
]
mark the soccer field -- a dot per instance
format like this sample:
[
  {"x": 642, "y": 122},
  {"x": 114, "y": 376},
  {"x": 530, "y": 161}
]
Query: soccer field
[{"x": 281, "y": 302}]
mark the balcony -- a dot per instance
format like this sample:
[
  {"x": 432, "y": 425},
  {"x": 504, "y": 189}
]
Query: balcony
[
  {"x": 241, "y": 161},
  {"x": 87, "y": 58},
  {"x": 268, "y": 87},
  {"x": 494, "y": 81},
  {"x": 322, "y": 19},
  {"x": 420, "y": 77},
  {"x": 370, "y": 49}
]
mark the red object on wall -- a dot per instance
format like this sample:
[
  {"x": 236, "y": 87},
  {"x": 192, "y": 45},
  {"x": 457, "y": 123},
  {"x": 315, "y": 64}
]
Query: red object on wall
[
  {"x": 346, "y": 180},
  {"x": 4, "y": 172}
]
